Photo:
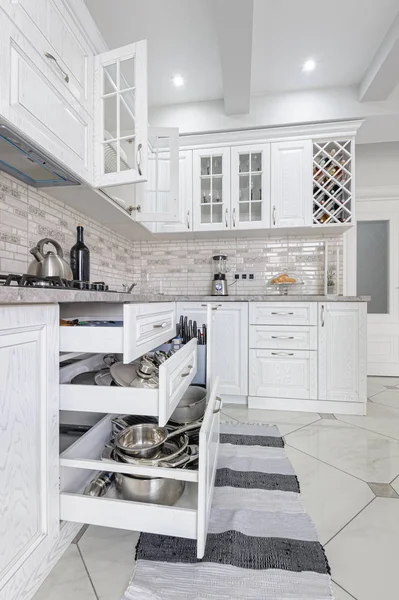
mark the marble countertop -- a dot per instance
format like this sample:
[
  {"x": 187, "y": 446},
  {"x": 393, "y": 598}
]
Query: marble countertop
[{"x": 17, "y": 295}]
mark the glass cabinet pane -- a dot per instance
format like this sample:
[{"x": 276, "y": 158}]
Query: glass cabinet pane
[
  {"x": 217, "y": 165},
  {"x": 244, "y": 163},
  {"x": 127, "y": 74},
  {"x": 109, "y": 79},
  {"x": 217, "y": 213},
  {"x": 205, "y": 191},
  {"x": 243, "y": 194},
  {"x": 373, "y": 264},
  {"x": 256, "y": 187},
  {"x": 205, "y": 165},
  {"x": 256, "y": 162},
  {"x": 211, "y": 169}
]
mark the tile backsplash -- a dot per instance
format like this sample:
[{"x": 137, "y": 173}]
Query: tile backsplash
[{"x": 168, "y": 267}]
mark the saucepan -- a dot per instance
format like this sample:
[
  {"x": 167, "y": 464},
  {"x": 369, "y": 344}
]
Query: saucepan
[
  {"x": 153, "y": 490},
  {"x": 146, "y": 440},
  {"x": 191, "y": 407}
]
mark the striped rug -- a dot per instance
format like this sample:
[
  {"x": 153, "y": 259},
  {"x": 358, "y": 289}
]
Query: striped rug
[{"x": 261, "y": 543}]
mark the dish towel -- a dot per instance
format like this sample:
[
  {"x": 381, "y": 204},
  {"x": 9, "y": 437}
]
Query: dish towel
[{"x": 261, "y": 543}]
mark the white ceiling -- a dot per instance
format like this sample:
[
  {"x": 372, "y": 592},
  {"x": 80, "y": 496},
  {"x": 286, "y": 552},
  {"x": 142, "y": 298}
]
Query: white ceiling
[{"x": 342, "y": 36}]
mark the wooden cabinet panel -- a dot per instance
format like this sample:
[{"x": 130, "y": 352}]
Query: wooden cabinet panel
[
  {"x": 29, "y": 518},
  {"x": 342, "y": 351},
  {"x": 283, "y": 374},
  {"x": 291, "y": 184}
]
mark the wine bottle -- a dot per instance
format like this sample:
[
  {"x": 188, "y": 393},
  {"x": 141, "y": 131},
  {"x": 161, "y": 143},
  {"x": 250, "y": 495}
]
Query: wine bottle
[{"x": 80, "y": 258}]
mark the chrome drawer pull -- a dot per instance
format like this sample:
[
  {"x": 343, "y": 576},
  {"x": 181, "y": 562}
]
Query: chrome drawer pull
[
  {"x": 322, "y": 315},
  {"x": 51, "y": 57},
  {"x": 138, "y": 158},
  {"x": 214, "y": 307},
  {"x": 282, "y": 337},
  {"x": 217, "y": 410},
  {"x": 189, "y": 369},
  {"x": 160, "y": 326},
  {"x": 282, "y": 354},
  {"x": 282, "y": 313}
]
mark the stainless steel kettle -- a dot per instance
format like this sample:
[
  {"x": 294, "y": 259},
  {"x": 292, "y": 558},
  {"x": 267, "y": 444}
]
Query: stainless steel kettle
[{"x": 52, "y": 264}]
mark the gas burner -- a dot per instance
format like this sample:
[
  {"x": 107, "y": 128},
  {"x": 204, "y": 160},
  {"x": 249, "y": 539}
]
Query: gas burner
[{"x": 25, "y": 280}]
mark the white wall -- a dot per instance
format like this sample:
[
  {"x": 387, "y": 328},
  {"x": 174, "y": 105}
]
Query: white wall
[{"x": 377, "y": 165}]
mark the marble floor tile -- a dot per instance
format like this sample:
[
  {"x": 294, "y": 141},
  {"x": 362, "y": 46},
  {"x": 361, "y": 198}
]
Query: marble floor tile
[
  {"x": 340, "y": 594},
  {"x": 395, "y": 484},
  {"x": 68, "y": 580},
  {"x": 380, "y": 419},
  {"x": 364, "y": 555},
  {"x": 358, "y": 452},
  {"x": 383, "y": 490},
  {"x": 387, "y": 398},
  {"x": 374, "y": 388},
  {"x": 286, "y": 421},
  {"x": 331, "y": 498},
  {"x": 109, "y": 558}
]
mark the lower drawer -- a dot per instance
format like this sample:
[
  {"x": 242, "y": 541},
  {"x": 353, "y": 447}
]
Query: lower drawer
[
  {"x": 175, "y": 375},
  {"x": 187, "y": 518},
  {"x": 283, "y": 373},
  {"x": 282, "y": 337}
]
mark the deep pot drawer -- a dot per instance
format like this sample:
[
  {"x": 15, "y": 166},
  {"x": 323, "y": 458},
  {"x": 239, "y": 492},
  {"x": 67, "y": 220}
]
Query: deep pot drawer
[
  {"x": 283, "y": 373},
  {"x": 187, "y": 518},
  {"x": 283, "y": 313},
  {"x": 144, "y": 327},
  {"x": 302, "y": 337},
  {"x": 175, "y": 376}
]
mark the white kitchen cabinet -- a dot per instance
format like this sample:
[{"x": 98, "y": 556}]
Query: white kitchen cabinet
[
  {"x": 283, "y": 373},
  {"x": 50, "y": 27},
  {"x": 211, "y": 189},
  {"x": 250, "y": 186},
  {"x": 121, "y": 116},
  {"x": 185, "y": 196},
  {"x": 291, "y": 184},
  {"x": 36, "y": 101},
  {"x": 230, "y": 326},
  {"x": 342, "y": 351},
  {"x": 29, "y": 494}
]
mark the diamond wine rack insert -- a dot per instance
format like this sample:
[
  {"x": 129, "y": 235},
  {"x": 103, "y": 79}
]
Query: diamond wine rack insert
[{"x": 332, "y": 182}]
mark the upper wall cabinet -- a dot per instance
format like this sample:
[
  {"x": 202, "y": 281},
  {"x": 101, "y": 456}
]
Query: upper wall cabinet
[
  {"x": 250, "y": 186},
  {"x": 185, "y": 196},
  {"x": 120, "y": 116},
  {"x": 291, "y": 187},
  {"x": 211, "y": 189},
  {"x": 333, "y": 182}
]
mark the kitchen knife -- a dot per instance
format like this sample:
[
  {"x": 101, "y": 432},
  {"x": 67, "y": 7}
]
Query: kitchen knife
[
  {"x": 190, "y": 330},
  {"x": 204, "y": 334},
  {"x": 185, "y": 330},
  {"x": 181, "y": 328},
  {"x": 194, "y": 329}
]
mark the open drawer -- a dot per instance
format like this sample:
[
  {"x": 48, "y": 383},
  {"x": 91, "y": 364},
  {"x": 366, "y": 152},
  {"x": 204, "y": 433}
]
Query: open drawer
[
  {"x": 187, "y": 518},
  {"x": 175, "y": 375},
  {"x": 139, "y": 327}
]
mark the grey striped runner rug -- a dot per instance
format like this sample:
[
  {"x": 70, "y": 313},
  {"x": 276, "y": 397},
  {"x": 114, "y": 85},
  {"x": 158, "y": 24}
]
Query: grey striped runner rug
[{"x": 261, "y": 543}]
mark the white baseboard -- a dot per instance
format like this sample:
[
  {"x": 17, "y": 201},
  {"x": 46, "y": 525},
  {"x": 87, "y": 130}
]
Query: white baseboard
[
  {"x": 230, "y": 399},
  {"x": 295, "y": 404}
]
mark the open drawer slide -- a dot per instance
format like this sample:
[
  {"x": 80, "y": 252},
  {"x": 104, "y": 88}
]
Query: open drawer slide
[
  {"x": 175, "y": 376},
  {"x": 136, "y": 328},
  {"x": 187, "y": 518}
]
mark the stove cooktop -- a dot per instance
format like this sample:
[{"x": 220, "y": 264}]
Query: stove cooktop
[{"x": 25, "y": 280}]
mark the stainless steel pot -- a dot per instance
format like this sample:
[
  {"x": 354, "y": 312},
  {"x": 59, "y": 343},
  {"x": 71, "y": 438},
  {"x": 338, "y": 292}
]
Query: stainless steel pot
[
  {"x": 191, "y": 407},
  {"x": 153, "y": 490},
  {"x": 145, "y": 440}
]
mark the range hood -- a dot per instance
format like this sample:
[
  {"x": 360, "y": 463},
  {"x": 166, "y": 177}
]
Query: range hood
[{"x": 24, "y": 161}]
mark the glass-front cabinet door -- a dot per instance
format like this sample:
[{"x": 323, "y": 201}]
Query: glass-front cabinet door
[
  {"x": 120, "y": 116},
  {"x": 211, "y": 189},
  {"x": 250, "y": 186}
]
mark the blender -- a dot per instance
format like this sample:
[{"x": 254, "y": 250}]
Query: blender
[{"x": 219, "y": 283}]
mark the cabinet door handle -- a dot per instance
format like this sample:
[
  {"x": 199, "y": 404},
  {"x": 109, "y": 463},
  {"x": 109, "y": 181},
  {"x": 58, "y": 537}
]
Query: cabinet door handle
[
  {"x": 226, "y": 215},
  {"x": 138, "y": 156},
  {"x": 159, "y": 326},
  {"x": 281, "y": 313},
  {"x": 282, "y": 337},
  {"x": 219, "y": 408},
  {"x": 274, "y": 215},
  {"x": 189, "y": 369},
  {"x": 234, "y": 217},
  {"x": 322, "y": 315},
  {"x": 188, "y": 219},
  {"x": 282, "y": 354},
  {"x": 213, "y": 307},
  {"x": 51, "y": 57}
]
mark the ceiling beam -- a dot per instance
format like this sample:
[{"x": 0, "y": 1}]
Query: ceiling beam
[
  {"x": 234, "y": 26},
  {"x": 382, "y": 76}
]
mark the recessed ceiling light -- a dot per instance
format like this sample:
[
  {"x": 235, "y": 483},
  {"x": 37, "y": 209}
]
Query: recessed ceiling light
[
  {"x": 309, "y": 65},
  {"x": 178, "y": 80}
]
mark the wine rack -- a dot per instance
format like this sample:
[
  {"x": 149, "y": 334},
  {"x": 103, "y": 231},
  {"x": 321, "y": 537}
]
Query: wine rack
[{"x": 332, "y": 182}]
